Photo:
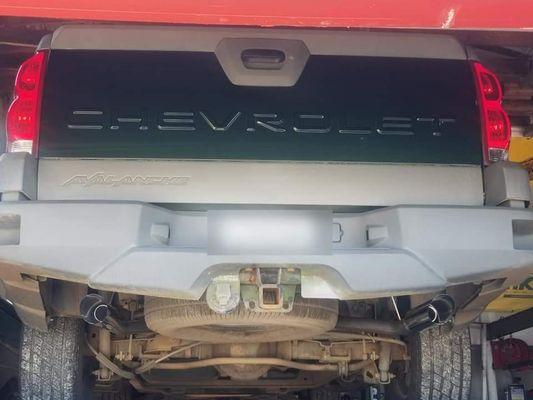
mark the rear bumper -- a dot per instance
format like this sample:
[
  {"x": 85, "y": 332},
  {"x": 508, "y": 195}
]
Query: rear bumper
[{"x": 143, "y": 249}]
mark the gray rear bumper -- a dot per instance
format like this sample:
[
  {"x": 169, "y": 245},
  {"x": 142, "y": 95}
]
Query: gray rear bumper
[{"x": 124, "y": 246}]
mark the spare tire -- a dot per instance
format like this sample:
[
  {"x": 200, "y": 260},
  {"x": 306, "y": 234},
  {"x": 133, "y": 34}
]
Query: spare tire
[{"x": 194, "y": 320}]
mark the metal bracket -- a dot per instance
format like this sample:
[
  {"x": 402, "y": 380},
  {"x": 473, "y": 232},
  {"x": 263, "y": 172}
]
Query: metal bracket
[{"x": 269, "y": 289}]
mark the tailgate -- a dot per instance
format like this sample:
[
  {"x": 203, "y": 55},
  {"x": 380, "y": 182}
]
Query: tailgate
[
  {"x": 183, "y": 104},
  {"x": 257, "y": 96}
]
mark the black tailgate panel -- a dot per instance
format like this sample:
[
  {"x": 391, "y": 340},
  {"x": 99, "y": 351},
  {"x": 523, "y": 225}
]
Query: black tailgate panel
[{"x": 181, "y": 105}]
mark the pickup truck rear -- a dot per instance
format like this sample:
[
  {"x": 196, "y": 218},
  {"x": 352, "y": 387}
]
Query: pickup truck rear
[{"x": 224, "y": 211}]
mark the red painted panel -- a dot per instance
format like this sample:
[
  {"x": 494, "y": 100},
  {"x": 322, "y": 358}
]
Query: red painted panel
[{"x": 458, "y": 14}]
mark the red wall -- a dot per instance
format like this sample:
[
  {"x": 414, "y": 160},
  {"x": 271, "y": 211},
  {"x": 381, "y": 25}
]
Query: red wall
[{"x": 459, "y": 14}]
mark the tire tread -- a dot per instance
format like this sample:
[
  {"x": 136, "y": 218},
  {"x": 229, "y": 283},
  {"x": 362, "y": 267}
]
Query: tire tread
[
  {"x": 50, "y": 366},
  {"x": 445, "y": 358}
]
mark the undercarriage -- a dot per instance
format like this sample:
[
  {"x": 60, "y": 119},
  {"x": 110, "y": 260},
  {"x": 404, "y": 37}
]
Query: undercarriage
[
  {"x": 268, "y": 341},
  {"x": 163, "y": 363}
]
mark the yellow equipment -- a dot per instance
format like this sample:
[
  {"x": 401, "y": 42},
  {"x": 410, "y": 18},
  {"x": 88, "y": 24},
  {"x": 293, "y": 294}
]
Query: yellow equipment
[{"x": 519, "y": 297}]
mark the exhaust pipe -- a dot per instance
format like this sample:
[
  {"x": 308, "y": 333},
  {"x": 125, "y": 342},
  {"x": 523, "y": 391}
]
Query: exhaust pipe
[
  {"x": 96, "y": 311},
  {"x": 351, "y": 325},
  {"x": 438, "y": 311}
]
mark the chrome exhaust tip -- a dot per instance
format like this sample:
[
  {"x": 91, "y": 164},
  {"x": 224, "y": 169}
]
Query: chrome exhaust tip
[{"x": 438, "y": 311}]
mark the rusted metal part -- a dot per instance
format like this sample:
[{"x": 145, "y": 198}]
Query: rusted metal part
[
  {"x": 155, "y": 363},
  {"x": 109, "y": 364},
  {"x": 248, "y": 362},
  {"x": 278, "y": 362},
  {"x": 357, "y": 347},
  {"x": 104, "y": 347},
  {"x": 243, "y": 371},
  {"x": 437, "y": 14},
  {"x": 154, "y": 382},
  {"x": 394, "y": 328},
  {"x": 385, "y": 352}
]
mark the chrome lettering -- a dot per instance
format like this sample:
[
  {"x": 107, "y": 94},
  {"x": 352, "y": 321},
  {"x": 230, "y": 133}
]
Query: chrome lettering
[
  {"x": 177, "y": 121},
  {"x": 101, "y": 178},
  {"x": 312, "y": 123},
  {"x": 270, "y": 122},
  {"x": 396, "y": 126},
  {"x": 307, "y": 123},
  {"x": 216, "y": 128}
]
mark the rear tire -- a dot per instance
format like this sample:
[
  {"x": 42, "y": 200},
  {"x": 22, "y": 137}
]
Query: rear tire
[
  {"x": 51, "y": 364},
  {"x": 439, "y": 369}
]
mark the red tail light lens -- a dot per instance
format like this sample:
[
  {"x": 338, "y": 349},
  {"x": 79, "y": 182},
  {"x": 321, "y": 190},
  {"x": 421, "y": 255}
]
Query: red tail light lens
[
  {"x": 495, "y": 123},
  {"x": 22, "y": 122}
]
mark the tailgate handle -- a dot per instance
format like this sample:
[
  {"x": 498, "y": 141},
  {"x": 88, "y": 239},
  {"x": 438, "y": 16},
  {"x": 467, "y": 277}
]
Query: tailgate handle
[{"x": 263, "y": 59}]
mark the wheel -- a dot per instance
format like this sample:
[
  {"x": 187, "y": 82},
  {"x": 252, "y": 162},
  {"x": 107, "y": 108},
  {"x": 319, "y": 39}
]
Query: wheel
[
  {"x": 51, "y": 363},
  {"x": 439, "y": 369},
  {"x": 194, "y": 320}
]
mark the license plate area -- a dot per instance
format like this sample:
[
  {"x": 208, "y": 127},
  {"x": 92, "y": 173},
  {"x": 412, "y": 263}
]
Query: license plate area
[{"x": 269, "y": 232}]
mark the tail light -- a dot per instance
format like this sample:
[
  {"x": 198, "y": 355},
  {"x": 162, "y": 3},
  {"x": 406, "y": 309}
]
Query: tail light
[
  {"x": 23, "y": 116},
  {"x": 495, "y": 124}
]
